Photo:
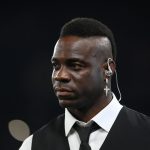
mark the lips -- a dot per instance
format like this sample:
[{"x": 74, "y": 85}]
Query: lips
[
  {"x": 63, "y": 92},
  {"x": 62, "y": 89}
]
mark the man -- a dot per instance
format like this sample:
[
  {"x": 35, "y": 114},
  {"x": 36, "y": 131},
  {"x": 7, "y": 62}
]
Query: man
[{"x": 83, "y": 64}]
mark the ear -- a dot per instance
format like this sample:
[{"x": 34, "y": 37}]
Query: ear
[
  {"x": 109, "y": 68},
  {"x": 113, "y": 66}
]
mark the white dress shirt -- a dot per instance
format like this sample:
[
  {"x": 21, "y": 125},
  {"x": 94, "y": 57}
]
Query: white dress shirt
[{"x": 105, "y": 119}]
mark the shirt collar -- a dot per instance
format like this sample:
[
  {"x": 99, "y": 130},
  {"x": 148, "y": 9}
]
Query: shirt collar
[{"x": 105, "y": 118}]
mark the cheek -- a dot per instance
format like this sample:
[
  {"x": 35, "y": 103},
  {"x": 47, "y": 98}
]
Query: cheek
[
  {"x": 95, "y": 81},
  {"x": 89, "y": 80},
  {"x": 81, "y": 78},
  {"x": 52, "y": 76}
]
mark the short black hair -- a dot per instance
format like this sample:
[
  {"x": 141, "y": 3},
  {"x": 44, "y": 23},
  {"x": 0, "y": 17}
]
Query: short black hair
[{"x": 87, "y": 27}]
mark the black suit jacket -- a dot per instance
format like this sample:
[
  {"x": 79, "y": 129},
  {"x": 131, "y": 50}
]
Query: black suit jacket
[{"x": 130, "y": 131}]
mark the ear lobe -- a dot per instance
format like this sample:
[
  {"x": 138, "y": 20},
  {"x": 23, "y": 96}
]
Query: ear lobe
[{"x": 108, "y": 73}]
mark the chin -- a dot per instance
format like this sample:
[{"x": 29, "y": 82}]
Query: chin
[{"x": 68, "y": 103}]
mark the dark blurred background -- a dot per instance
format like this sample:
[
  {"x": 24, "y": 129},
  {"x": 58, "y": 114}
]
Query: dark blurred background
[{"x": 28, "y": 32}]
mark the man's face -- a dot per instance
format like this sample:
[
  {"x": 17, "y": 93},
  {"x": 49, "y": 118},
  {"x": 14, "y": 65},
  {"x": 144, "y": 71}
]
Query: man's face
[{"x": 77, "y": 77}]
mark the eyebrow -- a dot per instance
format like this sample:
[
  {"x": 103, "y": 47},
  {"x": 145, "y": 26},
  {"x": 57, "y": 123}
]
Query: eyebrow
[
  {"x": 75, "y": 59},
  {"x": 70, "y": 60}
]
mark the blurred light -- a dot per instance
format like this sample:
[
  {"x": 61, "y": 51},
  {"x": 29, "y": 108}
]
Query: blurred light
[{"x": 19, "y": 129}]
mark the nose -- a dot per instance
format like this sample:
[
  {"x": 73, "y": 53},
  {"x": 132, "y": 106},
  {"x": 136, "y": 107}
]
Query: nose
[{"x": 62, "y": 75}]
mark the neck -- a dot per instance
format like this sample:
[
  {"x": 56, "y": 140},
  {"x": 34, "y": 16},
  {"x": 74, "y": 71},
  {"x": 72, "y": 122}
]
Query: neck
[{"x": 86, "y": 114}]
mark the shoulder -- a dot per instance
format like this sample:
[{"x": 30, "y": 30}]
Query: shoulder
[
  {"x": 53, "y": 125},
  {"x": 134, "y": 113},
  {"x": 136, "y": 118},
  {"x": 48, "y": 135},
  {"x": 53, "y": 129}
]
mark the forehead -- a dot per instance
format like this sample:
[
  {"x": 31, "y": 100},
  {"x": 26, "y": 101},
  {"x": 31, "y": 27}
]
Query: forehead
[{"x": 74, "y": 46}]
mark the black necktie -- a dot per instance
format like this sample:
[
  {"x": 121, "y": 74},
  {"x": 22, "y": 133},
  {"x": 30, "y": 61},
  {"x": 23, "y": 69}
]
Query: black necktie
[{"x": 84, "y": 133}]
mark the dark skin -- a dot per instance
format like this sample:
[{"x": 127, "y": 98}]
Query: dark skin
[{"x": 78, "y": 74}]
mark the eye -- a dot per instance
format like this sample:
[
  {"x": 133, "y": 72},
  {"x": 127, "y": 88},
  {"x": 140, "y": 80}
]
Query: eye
[
  {"x": 56, "y": 66},
  {"x": 76, "y": 66}
]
